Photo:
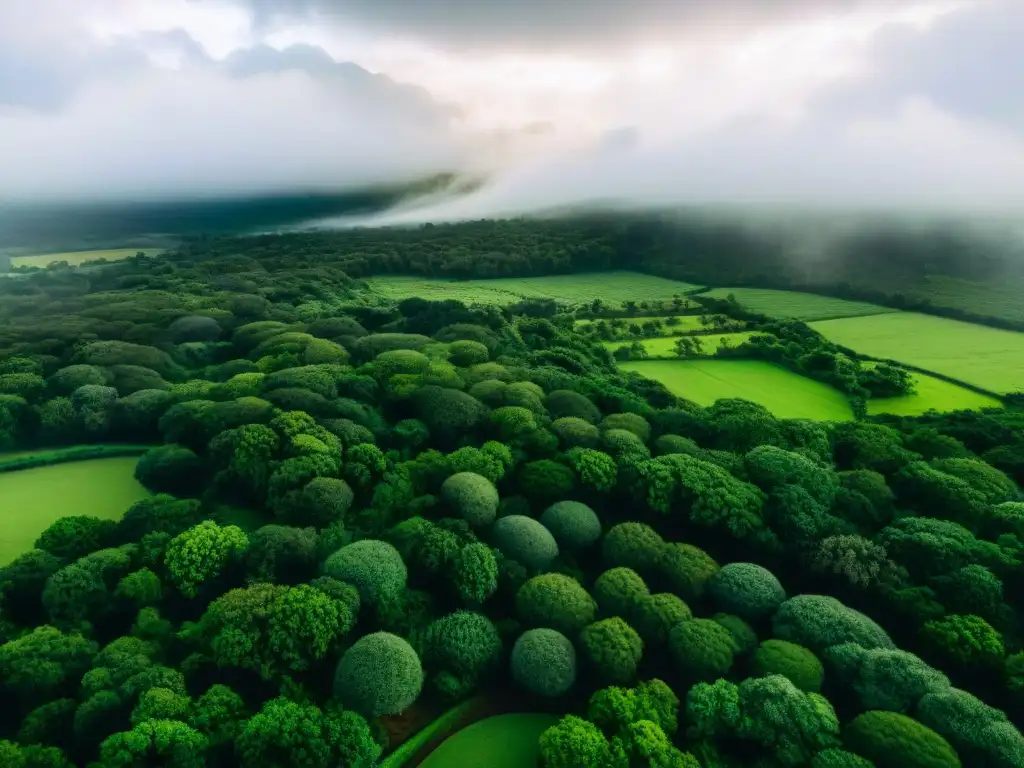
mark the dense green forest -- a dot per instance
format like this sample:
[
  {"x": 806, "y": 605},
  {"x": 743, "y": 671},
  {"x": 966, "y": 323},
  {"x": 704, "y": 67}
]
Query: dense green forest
[{"x": 363, "y": 509}]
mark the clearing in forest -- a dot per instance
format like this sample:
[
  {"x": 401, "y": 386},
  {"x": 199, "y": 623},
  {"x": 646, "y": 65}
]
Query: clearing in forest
[
  {"x": 801, "y": 306},
  {"x": 933, "y": 394},
  {"x": 74, "y": 258},
  {"x": 31, "y": 499},
  {"x": 502, "y": 741},
  {"x": 612, "y": 288},
  {"x": 784, "y": 393},
  {"x": 666, "y": 347},
  {"x": 990, "y": 358}
]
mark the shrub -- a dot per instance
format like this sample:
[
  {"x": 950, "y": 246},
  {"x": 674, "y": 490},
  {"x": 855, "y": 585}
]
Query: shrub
[
  {"x": 669, "y": 444},
  {"x": 472, "y": 497},
  {"x": 630, "y": 422},
  {"x": 656, "y": 615},
  {"x": 885, "y": 678},
  {"x": 325, "y": 500},
  {"x": 632, "y": 545},
  {"x": 620, "y": 592},
  {"x": 171, "y": 469},
  {"x": 981, "y": 734},
  {"x": 685, "y": 569},
  {"x": 380, "y": 674},
  {"x": 466, "y": 353},
  {"x": 744, "y": 638},
  {"x": 450, "y": 415},
  {"x": 573, "y": 743},
  {"x": 526, "y": 541},
  {"x": 373, "y": 567},
  {"x": 747, "y": 590},
  {"x": 564, "y": 403},
  {"x": 819, "y": 621},
  {"x": 544, "y": 662},
  {"x": 701, "y": 649},
  {"x": 891, "y": 740},
  {"x": 556, "y": 601},
  {"x": 969, "y": 641},
  {"x": 623, "y": 444},
  {"x": 574, "y": 432},
  {"x": 613, "y": 650},
  {"x": 464, "y": 643},
  {"x": 575, "y": 526},
  {"x": 546, "y": 481},
  {"x": 778, "y": 657},
  {"x": 839, "y": 758}
]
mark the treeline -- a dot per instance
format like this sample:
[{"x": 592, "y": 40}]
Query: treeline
[{"x": 363, "y": 507}]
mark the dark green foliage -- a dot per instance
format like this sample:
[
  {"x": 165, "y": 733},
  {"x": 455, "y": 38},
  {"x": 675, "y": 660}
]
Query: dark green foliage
[
  {"x": 632, "y": 545},
  {"x": 451, "y": 416},
  {"x": 891, "y": 740},
  {"x": 564, "y": 403},
  {"x": 573, "y": 743},
  {"x": 375, "y": 568},
  {"x": 620, "y": 592},
  {"x": 612, "y": 649},
  {"x": 472, "y": 497},
  {"x": 819, "y": 621},
  {"x": 72, "y": 537},
  {"x": 379, "y": 674},
  {"x": 884, "y": 678},
  {"x": 546, "y": 481},
  {"x": 747, "y": 590},
  {"x": 464, "y": 643},
  {"x": 159, "y": 514},
  {"x": 281, "y": 554},
  {"x": 475, "y": 573},
  {"x": 526, "y": 541},
  {"x": 42, "y": 664},
  {"x": 575, "y": 526},
  {"x": 555, "y": 601},
  {"x": 544, "y": 662},
  {"x": 574, "y": 432},
  {"x": 744, "y": 638},
  {"x": 202, "y": 553},
  {"x": 171, "y": 469},
  {"x": 656, "y": 615},
  {"x": 968, "y": 641},
  {"x": 685, "y": 569},
  {"x": 839, "y": 758},
  {"x": 701, "y": 649},
  {"x": 630, "y": 422},
  {"x": 778, "y": 657}
]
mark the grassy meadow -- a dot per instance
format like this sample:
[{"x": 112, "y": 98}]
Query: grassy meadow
[
  {"x": 31, "y": 499},
  {"x": 785, "y": 394},
  {"x": 995, "y": 298},
  {"x": 74, "y": 258},
  {"x": 503, "y": 741},
  {"x": 665, "y": 347},
  {"x": 683, "y": 324},
  {"x": 611, "y": 287},
  {"x": 990, "y": 358},
  {"x": 933, "y": 394},
  {"x": 802, "y": 306}
]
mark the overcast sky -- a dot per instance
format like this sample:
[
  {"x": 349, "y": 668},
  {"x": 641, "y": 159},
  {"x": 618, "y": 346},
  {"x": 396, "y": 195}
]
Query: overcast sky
[{"x": 881, "y": 103}]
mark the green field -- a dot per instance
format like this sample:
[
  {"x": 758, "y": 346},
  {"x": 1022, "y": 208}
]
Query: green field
[
  {"x": 933, "y": 394},
  {"x": 504, "y": 741},
  {"x": 989, "y": 358},
  {"x": 802, "y": 306},
  {"x": 995, "y": 298},
  {"x": 665, "y": 347},
  {"x": 785, "y": 394},
  {"x": 610, "y": 287},
  {"x": 684, "y": 323},
  {"x": 31, "y": 499},
  {"x": 74, "y": 258}
]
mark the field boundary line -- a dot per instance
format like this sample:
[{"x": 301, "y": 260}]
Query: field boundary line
[{"x": 48, "y": 458}]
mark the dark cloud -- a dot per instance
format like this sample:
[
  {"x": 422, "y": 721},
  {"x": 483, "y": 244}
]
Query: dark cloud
[
  {"x": 466, "y": 24},
  {"x": 969, "y": 62}
]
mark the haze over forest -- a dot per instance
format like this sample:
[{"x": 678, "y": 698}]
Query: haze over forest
[{"x": 828, "y": 104}]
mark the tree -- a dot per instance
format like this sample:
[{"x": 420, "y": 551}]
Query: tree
[
  {"x": 573, "y": 743},
  {"x": 326, "y": 500},
  {"x": 620, "y": 592},
  {"x": 573, "y": 432},
  {"x": 282, "y": 554},
  {"x": 290, "y": 733},
  {"x": 161, "y": 704},
  {"x": 546, "y": 481},
  {"x": 42, "y": 664},
  {"x": 167, "y": 742},
  {"x": 218, "y": 715},
  {"x": 202, "y": 553},
  {"x": 612, "y": 649},
  {"x": 475, "y": 574},
  {"x": 472, "y": 497},
  {"x": 544, "y": 662},
  {"x": 525, "y": 540},
  {"x": 700, "y": 649},
  {"x": 304, "y": 623},
  {"x": 656, "y": 615},
  {"x": 747, "y": 590},
  {"x": 967, "y": 641},
  {"x": 379, "y": 674},
  {"x": 778, "y": 657},
  {"x": 856, "y": 560},
  {"x": 818, "y": 622},
  {"x": 575, "y": 526},
  {"x": 75, "y": 536},
  {"x": 596, "y": 469},
  {"x": 557, "y": 601},
  {"x": 981, "y": 734},
  {"x": 884, "y": 678},
  {"x": 685, "y": 569},
  {"x": 892, "y": 740},
  {"x": 374, "y": 567},
  {"x": 464, "y": 644},
  {"x": 632, "y": 545}
]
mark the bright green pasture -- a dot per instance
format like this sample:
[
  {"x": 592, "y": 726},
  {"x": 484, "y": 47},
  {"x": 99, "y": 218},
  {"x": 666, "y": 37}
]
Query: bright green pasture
[
  {"x": 31, "y": 499},
  {"x": 611, "y": 287},
  {"x": 444, "y": 723},
  {"x": 933, "y": 394},
  {"x": 666, "y": 347},
  {"x": 784, "y": 393},
  {"x": 503, "y": 741},
  {"x": 990, "y": 358},
  {"x": 802, "y": 306},
  {"x": 74, "y": 258}
]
